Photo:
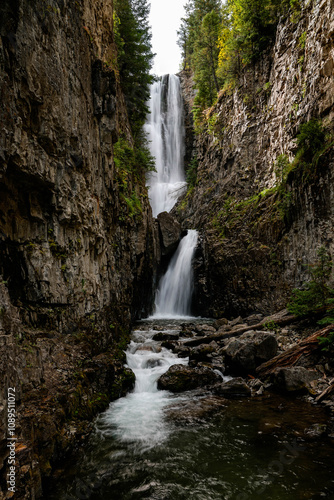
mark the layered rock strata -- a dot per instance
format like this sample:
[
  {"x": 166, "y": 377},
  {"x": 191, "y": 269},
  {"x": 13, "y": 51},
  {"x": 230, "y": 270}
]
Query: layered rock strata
[
  {"x": 76, "y": 262},
  {"x": 255, "y": 246}
]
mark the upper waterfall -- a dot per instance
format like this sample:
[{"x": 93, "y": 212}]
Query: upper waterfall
[{"x": 165, "y": 129}]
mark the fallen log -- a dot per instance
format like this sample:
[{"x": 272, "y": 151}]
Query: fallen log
[
  {"x": 326, "y": 392},
  {"x": 291, "y": 356},
  {"x": 239, "y": 331}
]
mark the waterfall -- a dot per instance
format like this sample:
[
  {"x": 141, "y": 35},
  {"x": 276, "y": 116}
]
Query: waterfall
[
  {"x": 165, "y": 130},
  {"x": 173, "y": 297}
]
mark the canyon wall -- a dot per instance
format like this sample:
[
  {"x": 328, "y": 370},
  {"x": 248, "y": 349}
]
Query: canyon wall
[
  {"x": 255, "y": 247},
  {"x": 76, "y": 260}
]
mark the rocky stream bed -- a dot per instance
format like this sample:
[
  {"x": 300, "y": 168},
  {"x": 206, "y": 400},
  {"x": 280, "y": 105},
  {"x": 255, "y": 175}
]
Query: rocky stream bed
[{"x": 204, "y": 420}]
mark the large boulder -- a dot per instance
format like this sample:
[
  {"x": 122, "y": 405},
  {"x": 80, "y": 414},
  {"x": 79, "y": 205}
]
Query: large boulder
[
  {"x": 293, "y": 379},
  {"x": 170, "y": 233},
  {"x": 202, "y": 352},
  {"x": 181, "y": 378},
  {"x": 253, "y": 348}
]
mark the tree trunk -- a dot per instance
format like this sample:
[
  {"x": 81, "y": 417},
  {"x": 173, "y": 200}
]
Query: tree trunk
[
  {"x": 290, "y": 357},
  {"x": 213, "y": 70}
]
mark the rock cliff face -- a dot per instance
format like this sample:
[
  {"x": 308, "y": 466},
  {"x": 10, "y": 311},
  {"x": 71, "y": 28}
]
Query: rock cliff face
[
  {"x": 76, "y": 263},
  {"x": 254, "y": 248}
]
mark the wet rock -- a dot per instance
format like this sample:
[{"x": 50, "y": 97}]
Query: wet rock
[
  {"x": 250, "y": 350},
  {"x": 255, "y": 384},
  {"x": 144, "y": 348},
  {"x": 218, "y": 364},
  {"x": 182, "y": 351},
  {"x": 201, "y": 352},
  {"x": 181, "y": 378},
  {"x": 170, "y": 232},
  {"x": 204, "y": 329},
  {"x": 293, "y": 379},
  {"x": 169, "y": 344},
  {"x": 144, "y": 490},
  {"x": 197, "y": 410},
  {"x": 152, "y": 363},
  {"x": 233, "y": 388},
  {"x": 165, "y": 336},
  {"x": 316, "y": 431}
]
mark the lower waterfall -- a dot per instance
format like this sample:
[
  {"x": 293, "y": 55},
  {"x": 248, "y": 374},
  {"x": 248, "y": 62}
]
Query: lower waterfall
[
  {"x": 174, "y": 294},
  {"x": 139, "y": 417}
]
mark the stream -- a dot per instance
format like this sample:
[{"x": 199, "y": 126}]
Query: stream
[{"x": 157, "y": 445}]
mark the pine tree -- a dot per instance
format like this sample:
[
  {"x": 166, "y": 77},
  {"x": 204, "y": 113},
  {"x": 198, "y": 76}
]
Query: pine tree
[
  {"x": 198, "y": 39},
  {"x": 135, "y": 58},
  {"x": 249, "y": 27}
]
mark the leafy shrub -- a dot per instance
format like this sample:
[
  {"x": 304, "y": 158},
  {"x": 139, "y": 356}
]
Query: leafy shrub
[
  {"x": 311, "y": 139},
  {"x": 327, "y": 343},
  {"x": 317, "y": 296},
  {"x": 281, "y": 168}
]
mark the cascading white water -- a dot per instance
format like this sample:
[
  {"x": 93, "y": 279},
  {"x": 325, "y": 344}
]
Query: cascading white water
[
  {"x": 139, "y": 416},
  {"x": 165, "y": 129},
  {"x": 173, "y": 297}
]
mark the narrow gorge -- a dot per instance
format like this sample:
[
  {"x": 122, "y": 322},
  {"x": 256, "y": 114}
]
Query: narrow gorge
[{"x": 144, "y": 326}]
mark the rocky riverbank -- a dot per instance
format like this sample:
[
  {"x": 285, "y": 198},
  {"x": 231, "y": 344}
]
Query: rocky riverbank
[{"x": 246, "y": 357}]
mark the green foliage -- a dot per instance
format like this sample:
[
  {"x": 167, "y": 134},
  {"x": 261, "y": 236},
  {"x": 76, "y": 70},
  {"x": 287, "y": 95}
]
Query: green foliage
[
  {"x": 248, "y": 28},
  {"x": 192, "y": 172},
  {"x": 218, "y": 39},
  {"x": 198, "y": 39},
  {"x": 233, "y": 213},
  {"x": 205, "y": 59},
  {"x": 302, "y": 40},
  {"x": 130, "y": 162},
  {"x": 317, "y": 296},
  {"x": 144, "y": 159},
  {"x": 327, "y": 343},
  {"x": 267, "y": 87},
  {"x": 282, "y": 168},
  {"x": 295, "y": 10},
  {"x": 311, "y": 139},
  {"x": 134, "y": 205},
  {"x": 58, "y": 251},
  {"x": 271, "y": 326},
  {"x": 135, "y": 57},
  {"x": 313, "y": 143},
  {"x": 212, "y": 122}
]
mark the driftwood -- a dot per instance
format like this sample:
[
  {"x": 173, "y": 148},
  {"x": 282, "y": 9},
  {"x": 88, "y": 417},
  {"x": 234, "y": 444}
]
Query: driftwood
[
  {"x": 291, "y": 356},
  {"x": 326, "y": 392},
  {"x": 239, "y": 331}
]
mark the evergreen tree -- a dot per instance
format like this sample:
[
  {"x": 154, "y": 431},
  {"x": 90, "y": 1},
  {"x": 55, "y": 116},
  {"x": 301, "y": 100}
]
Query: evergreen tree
[
  {"x": 198, "y": 39},
  {"x": 249, "y": 27},
  {"x": 135, "y": 58},
  {"x": 218, "y": 39},
  {"x": 317, "y": 295},
  {"x": 189, "y": 32}
]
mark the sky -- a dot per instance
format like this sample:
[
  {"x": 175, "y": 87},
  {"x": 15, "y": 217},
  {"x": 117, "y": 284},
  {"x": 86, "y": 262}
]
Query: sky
[{"x": 165, "y": 19}]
